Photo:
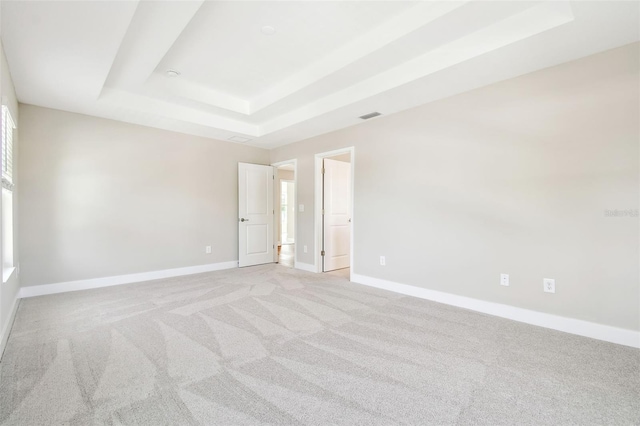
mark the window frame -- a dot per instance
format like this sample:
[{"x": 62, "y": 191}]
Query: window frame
[{"x": 6, "y": 173}]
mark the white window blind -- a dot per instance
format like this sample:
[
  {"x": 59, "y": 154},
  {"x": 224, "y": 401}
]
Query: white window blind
[{"x": 8, "y": 126}]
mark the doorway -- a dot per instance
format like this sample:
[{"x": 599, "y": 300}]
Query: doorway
[
  {"x": 287, "y": 212},
  {"x": 285, "y": 207},
  {"x": 334, "y": 212}
]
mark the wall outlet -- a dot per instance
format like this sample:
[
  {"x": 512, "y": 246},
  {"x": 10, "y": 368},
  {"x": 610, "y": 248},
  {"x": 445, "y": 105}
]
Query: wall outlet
[
  {"x": 383, "y": 261},
  {"x": 207, "y": 249},
  {"x": 301, "y": 208},
  {"x": 549, "y": 285},
  {"x": 504, "y": 280},
  {"x": 304, "y": 249}
]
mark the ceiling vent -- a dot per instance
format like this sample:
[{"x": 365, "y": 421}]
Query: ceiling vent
[
  {"x": 239, "y": 139},
  {"x": 370, "y": 115}
]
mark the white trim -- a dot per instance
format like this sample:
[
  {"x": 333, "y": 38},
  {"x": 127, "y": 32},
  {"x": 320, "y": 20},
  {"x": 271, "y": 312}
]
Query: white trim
[
  {"x": 568, "y": 325},
  {"x": 317, "y": 209},
  {"x": 293, "y": 161},
  {"x": 40, "y": 290},
  {"x": 6, "y": 330},
  {"x": 6, "y": 273},
  {"x": 305, "y": 267}
]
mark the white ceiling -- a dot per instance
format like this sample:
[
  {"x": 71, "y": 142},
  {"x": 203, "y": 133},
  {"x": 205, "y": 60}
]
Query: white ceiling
[{"x": 327, "y": 63}]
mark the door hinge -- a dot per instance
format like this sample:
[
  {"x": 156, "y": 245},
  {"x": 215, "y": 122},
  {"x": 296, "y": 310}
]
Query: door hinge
[
  {"x": 322, "y": 253},
  {"x": 323, "y": 170},
  {"x": 273, "y": 177},
  {"x": 322, "y": 211}
]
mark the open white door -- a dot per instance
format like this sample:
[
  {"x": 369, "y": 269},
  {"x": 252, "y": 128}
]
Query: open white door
[
  {"x": 337, "y": 214},
  {"x": 255, "y": 209}
]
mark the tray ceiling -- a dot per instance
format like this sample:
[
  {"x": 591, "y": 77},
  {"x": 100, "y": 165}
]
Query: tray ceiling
[{"x": 271, "y": 73}]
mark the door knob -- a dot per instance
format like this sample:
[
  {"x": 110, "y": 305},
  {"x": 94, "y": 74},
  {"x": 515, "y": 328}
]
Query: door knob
[{"x": 244, "y": 220}]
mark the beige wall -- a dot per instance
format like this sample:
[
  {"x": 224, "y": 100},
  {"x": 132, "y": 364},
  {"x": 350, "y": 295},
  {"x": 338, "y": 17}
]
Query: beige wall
[
  {"x": 102, "y": 198},
  {"x": 511, "y": 178},
  {"x": 9, "y": 290}
]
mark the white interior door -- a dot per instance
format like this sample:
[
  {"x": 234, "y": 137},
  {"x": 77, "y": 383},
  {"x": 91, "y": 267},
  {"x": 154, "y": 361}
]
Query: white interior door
[
  {"x": 255, "y": 208},
  {"x": 337, "y": 214}
]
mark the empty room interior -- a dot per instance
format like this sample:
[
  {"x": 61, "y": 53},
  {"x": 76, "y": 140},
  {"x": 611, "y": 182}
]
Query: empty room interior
[{"x": 320, "y": 212}]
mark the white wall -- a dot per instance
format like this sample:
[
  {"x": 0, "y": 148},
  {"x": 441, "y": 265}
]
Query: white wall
[
  {"x": 9, "y": 290},
  {"x": 102, "y": 198},
  {"x": 511, "y": 178}
]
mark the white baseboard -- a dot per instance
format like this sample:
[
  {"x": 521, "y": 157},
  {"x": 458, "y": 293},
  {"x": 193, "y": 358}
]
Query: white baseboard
[
  {"x": 305, "y": 267},
  {"x": 41, "y": 290},
  {"x": 568, "y": 325},
  {"x": 6, "y": 330}
]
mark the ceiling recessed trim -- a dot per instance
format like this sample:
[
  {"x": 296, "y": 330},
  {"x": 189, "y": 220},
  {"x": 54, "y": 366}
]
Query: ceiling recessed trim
[
  {"x": 398, "y": 26},
  {"x": 112, "y": 61},
  {"x": 521, "y": 26}
]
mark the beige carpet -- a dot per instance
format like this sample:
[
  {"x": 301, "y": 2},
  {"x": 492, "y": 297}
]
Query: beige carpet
[{"x": 274, "y": 345}]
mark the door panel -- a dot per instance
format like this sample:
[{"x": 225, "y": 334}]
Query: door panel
[
  {"x": 256, "y": 239},
  {"x": 257, "y": 184},
  {"x": 255, "y": 208},
  {"x": 337, "y": 214}
]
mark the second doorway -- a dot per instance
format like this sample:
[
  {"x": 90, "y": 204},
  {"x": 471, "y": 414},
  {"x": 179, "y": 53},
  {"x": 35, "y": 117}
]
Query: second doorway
[{"x": 285, "y": 192}]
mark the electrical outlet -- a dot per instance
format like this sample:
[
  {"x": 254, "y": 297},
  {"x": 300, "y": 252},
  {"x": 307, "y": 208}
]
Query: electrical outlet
[
  {"x": 549, "y": 285},
  {"x": 383, "y": 261},
  {"x": 304, "y": 249},
  {"x": 207, "y": 249},
  {"x": 301, "y": 208},
  {"x": 504, "y": 280}
]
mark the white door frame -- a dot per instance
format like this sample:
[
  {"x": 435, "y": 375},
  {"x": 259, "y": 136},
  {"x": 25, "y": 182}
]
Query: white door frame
[
  {"x": 317, "y": 210},
  {"x": 293, "y": 161}
]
